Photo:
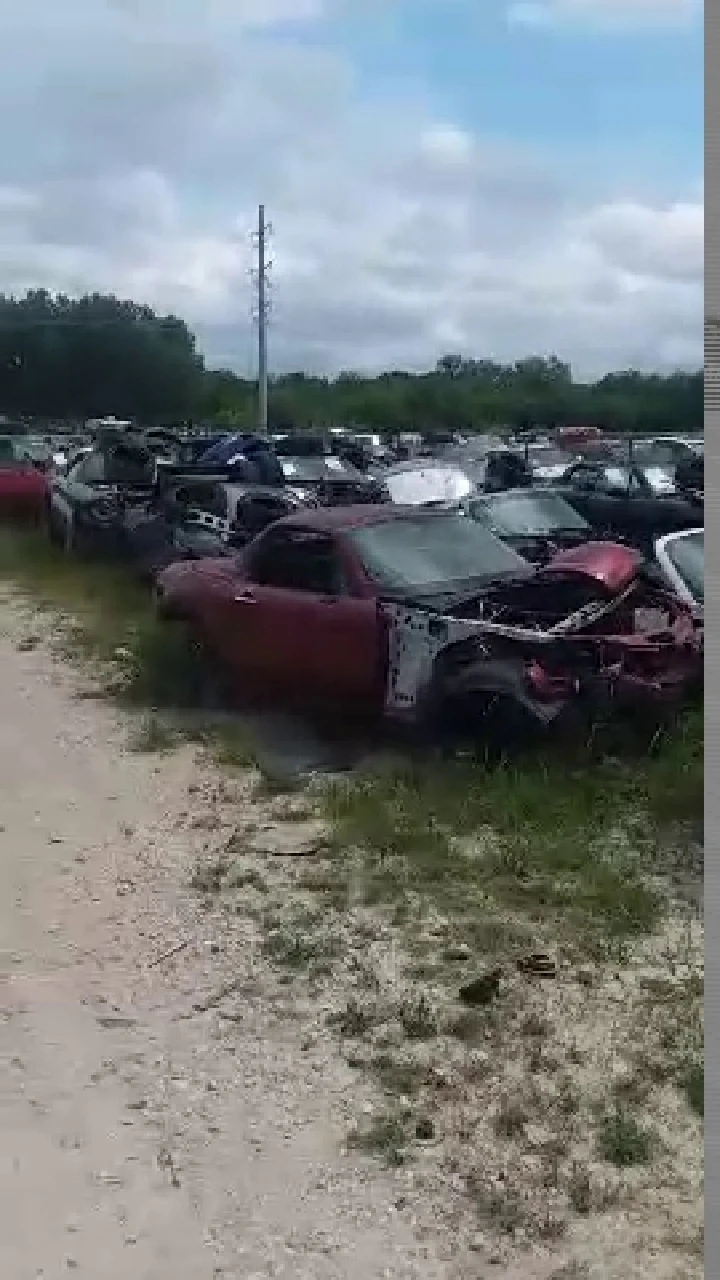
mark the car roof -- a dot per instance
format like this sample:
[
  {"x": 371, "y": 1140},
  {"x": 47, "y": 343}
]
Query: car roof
[{"x": 339, "y": 519}]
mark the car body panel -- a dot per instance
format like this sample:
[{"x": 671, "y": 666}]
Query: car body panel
[
  {"x": 23, "y": 489},
  {"x": 611, "y": 564}
]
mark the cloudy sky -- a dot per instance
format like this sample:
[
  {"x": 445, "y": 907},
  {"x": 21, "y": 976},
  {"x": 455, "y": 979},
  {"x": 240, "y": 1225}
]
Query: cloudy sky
[{"x": 494, "y": 177}]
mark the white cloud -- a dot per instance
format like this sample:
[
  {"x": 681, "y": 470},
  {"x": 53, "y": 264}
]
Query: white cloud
[
  {"x": 605, "y": 13},
  {"x": 135, "y": 153}
]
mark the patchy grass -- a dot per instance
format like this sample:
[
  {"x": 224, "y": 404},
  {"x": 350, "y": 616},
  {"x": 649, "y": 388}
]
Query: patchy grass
[
  {"x": 443, "y": 878},
  {"x": 232, "y": 747},
  {"x": 109, "y": 618},
  {"x": 209, "y": 874},
  {"x": 398, "y": 1074},
  {"x": 693, "y": 1082},
  {"x": 418, "y": 1019},
  {"x": 105, "y": 618},
  {"x": 152, "y": 734},
  {"x": 385, "y": 1135},
  {"x": 541, "y": 841},
  {"x": 623, "y": 1141},
  {"x": 301, "y": 948}
]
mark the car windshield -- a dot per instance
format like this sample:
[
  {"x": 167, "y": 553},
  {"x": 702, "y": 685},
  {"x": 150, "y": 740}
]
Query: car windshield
[
  {"x": 541, "y": 456},
  {"x": 660, "y": 478},
  {"x": 442, "y": 554},
  {"x": 527, "y": 514},
  {"x": 659, "y": 452},
  {"x": 12, "y": 456},
  {"x": 687, "y": 555}
]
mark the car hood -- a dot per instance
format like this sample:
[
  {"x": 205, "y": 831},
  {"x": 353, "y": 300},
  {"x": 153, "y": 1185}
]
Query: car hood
[
  {"x": 419, "y": 486},
  {"x": 608, "y": 563},
  {"x": 540, "y": 548}
]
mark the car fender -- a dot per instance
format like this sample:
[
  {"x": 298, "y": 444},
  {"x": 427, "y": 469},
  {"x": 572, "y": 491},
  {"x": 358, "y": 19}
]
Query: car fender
[
  {"x": 415, "y": 638},
  {"x": 418, "y": 641}
]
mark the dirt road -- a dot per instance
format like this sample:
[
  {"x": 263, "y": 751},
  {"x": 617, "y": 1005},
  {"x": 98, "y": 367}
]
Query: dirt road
[{"x": 147, "y": 1136}]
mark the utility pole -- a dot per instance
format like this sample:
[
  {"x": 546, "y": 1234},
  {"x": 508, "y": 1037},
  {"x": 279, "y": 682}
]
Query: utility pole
[{"x": 261, "y": 279}]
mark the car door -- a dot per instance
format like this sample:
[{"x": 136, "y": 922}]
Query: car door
[{"x": 294, "y": 627}]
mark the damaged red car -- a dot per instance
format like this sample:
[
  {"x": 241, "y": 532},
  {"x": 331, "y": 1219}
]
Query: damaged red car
[
  {"x": 23, "y": 486},
  {"x": 413, "y": 615}
]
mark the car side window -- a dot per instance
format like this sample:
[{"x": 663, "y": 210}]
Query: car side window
[
  {"x": 614, "y": 481},
  {"x": 298, "y": 560},
  {"x": 211, "y": 498},
  {"x": 202, "y": 497},
  {"x": 254, "y": 513},
  {"x": 91, "y": 470}
]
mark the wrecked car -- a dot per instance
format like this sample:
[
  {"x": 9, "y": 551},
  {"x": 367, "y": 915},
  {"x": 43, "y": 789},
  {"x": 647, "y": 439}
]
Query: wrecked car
[
  {"x": 534, "y": 522},
  {"x": 117, "y": 504},
  {"x": 23, "y": 485},
  {"x": 418, "y": 615},
  {"x": 87, "y": 504},
  {"x": 635, "y": 504},
  {"x": 681, "y": 560},
  {"x": 329, "y": 481}
]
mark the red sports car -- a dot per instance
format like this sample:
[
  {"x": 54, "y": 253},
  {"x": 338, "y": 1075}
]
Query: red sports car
[
  {"x": 408, "y": 613},
  {"x": 23, "y": 486}
]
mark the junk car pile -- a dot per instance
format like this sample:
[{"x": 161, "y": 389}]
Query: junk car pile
[{"x": 469, "y": 577}]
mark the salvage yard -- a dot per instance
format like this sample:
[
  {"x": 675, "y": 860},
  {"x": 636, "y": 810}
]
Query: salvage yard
[{"x": 467, "y": 1000}]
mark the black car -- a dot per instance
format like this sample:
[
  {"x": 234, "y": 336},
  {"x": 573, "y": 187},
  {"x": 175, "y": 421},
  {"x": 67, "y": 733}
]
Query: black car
[
  {"x": 534, "y": 522},
  {"x": 630, "y": 503}
]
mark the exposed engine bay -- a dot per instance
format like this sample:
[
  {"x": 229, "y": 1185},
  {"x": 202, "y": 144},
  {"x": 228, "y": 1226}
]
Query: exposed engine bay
[{"x": 543, "y": 642}]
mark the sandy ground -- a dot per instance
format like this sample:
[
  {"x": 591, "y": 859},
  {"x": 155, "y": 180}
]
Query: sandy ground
[
  {"x": 165, "y": 1114},
  {"x": 144, "y": 1136}
]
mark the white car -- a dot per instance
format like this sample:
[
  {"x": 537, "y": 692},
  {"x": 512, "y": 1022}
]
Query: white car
[{"x": 681, "y": 557}]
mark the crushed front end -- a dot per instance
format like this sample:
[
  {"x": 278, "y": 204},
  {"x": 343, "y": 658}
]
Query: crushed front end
[{"x": 563, "y": 640}]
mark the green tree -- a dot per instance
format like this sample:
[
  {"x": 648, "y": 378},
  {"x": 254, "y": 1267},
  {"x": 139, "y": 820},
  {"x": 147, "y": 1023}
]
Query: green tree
[{"x": 97, "y": 355}]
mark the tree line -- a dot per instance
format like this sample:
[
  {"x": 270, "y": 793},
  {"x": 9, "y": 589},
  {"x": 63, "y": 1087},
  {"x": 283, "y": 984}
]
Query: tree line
[{"x": 72, "y": 359}]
